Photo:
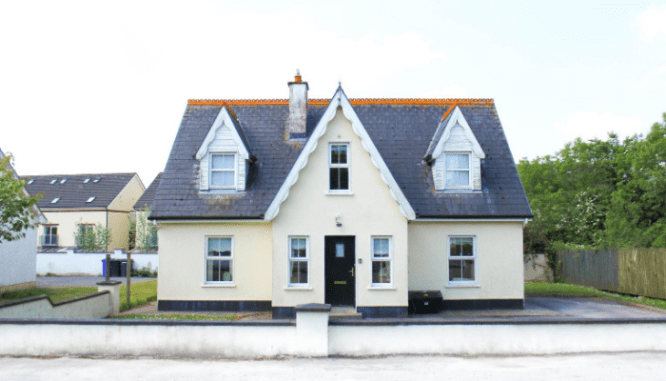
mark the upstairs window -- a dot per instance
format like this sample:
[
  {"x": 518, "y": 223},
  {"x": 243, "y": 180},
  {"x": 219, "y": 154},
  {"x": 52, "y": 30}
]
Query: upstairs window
[
  {"x": 339, "y": 167},
  {"x": 223, "y": 171},
  {"x": 457, "y": 170}
]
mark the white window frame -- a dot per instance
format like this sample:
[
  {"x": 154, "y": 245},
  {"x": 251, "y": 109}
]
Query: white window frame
[
  {"x": 332, "y": 165},
  {"x": 388, "y": 259},
  {"x": 469, "y": 170},
  {"x": 230, "y": 258},
  {"x": 290, "y": 259},
  {"x": 211, "y": 170},
  {"x": 473, "y": 257}
]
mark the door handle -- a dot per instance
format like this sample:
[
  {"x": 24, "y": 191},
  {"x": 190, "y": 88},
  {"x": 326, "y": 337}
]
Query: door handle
[{"x": 352, "y": 272}]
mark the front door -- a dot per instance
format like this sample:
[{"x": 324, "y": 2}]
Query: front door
[{"x": 340, "y": 280}]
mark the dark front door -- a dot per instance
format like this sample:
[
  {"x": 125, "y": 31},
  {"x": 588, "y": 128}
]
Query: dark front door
[{"x": 340, "y": 280}]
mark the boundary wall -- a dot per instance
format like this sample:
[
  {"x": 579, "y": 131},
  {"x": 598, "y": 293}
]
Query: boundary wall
[
  {"x": 71, "y": 262},
  {"x": 312, "y": 334}
]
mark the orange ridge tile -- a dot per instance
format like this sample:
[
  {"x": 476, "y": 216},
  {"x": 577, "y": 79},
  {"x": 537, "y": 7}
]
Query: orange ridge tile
[{"x": 353, "y": 101}]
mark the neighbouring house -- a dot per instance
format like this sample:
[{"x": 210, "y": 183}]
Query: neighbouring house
[
  {"x": 146, "y": 231},
  {"x": 18, "y": 258},
  {"x": 75, "y": 204},
  {"x": 270, "y": 204}
]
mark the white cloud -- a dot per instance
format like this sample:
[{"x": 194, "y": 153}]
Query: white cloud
[
  {"x": 588, "y": 125},
  {"x": 652, "y": 23}
]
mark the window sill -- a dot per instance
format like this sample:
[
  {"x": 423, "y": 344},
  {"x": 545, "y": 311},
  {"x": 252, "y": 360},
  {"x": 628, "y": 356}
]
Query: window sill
[
  {"x": 298, "y": 288},
  {"x": 382, "y": 288},
  {"x": 463, "y": 285},
  {"x": 219, "y": 285},
  {"x": 339, "y": 193}
]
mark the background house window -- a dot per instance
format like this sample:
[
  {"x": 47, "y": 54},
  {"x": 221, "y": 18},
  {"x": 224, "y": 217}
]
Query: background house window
[
  {"x": 219, "y": 260},
  {"x": 298, "y": 261},
  {"x": 50, "y": 237},
  {"x": 223, "y": 170},
  {"x": 457, "y": 169},
  {"x": 381, "y": 260},
  {"x": 339, "y": 167},
  {"x": 462, "y": 259}
]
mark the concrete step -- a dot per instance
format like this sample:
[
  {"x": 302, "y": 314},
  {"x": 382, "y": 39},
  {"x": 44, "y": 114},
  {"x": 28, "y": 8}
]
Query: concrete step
[{"x": 344, "y": 312}]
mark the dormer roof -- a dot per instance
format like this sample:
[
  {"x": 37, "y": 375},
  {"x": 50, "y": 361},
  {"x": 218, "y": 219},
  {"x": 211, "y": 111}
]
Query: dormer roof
[{"x": 227, "y": 118}]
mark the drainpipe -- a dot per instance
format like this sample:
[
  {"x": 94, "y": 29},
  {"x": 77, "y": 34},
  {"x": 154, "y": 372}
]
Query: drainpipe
[{"x": 106, "y": 208}]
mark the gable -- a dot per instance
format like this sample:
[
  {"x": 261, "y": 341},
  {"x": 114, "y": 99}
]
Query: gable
[
  {"x": 454, "y": 140},
  {"x": 340, "y": 101},
  {"x": 225, "y": 136}
]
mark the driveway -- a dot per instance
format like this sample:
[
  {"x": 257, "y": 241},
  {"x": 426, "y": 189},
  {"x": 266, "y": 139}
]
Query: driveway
[{"x": 62, "y": 281}]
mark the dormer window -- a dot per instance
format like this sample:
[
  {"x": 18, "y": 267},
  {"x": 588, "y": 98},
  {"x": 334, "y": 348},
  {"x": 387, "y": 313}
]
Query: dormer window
[
  {"x": 455, "y": 155},
  {"x": 339, "y": 167},
  {"x": 457, "y": 170},
  {"x": 223, "y": 171},
  {"x": 224, "y": 157}
]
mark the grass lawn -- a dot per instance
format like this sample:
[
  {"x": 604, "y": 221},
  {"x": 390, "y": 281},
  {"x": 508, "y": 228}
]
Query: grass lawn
[
  {"x": 178, "y": 317},
  {"x": 556, "y": 289},
  {"x": 140, "y": 293},
  {"x": 56, "y": 294}
]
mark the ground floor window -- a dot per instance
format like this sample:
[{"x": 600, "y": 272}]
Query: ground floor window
[
  {"x": 462, "y": 259},
  {"x": 219, "y": 259},
  {"x": 299, "y": 257},
  {"x": 50, "y": 237},
  {"x": 381, "y": 260}
]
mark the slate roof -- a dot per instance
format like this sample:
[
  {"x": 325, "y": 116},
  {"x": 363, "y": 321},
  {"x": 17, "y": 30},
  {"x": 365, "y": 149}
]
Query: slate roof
[
  {"x": 75, "y": 191},
  {"x": 402, "y": 131},
  {"x": 146, "y": 200}
]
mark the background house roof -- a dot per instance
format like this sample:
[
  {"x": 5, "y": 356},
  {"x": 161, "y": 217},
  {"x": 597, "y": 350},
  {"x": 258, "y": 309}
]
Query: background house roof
[
  {"x": 401, "y": 129},
  {"x": 146, "y": 200},
  {"x": 76, "y": 191}
]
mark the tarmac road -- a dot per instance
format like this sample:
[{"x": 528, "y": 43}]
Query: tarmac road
[{"x": 607, "y": 367}]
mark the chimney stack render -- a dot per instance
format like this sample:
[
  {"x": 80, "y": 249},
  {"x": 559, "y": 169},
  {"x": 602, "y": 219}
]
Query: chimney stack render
[{"x": 298, "y": 108}]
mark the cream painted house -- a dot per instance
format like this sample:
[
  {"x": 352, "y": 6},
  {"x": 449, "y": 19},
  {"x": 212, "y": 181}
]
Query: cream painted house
[
  {"x": 74, "y": 203},
  {"x": 269, "y": 204}
]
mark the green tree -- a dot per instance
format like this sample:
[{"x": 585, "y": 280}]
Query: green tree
[
  {"x": 93, "y": 239},
  {"x": 16, "y": 211}
]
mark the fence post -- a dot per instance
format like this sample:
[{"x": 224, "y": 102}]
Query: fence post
[{"x": 113, "y": 286}]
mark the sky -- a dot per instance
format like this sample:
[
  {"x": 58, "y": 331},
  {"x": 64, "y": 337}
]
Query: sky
[{"x": 96, "y": 87}]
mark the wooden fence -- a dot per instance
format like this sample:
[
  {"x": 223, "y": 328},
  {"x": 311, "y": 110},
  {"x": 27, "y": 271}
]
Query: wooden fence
[{"x": 628, "y": 271}]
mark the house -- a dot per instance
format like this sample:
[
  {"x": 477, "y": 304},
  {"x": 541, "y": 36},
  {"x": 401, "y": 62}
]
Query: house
[
  {"x": 75, "y": 204},
  {"x": 270, "y": 204},
  {"x": 146, "y": 232},
  {"x": 18, "y": 258}
]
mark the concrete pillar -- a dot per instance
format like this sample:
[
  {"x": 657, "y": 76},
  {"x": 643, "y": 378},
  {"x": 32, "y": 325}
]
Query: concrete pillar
[
  {"x": 113, "y": 286},
  {"x": 312, "y": 329}
]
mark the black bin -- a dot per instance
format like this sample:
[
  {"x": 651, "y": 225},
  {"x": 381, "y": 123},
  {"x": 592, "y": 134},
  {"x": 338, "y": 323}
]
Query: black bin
[
  {"x": 425, "y": 302},
  {"x": 123, "y": 267},
  {"x": 115, "y": 268}
]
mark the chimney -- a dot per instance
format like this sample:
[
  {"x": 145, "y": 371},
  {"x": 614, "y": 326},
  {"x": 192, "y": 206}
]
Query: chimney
[{"x": 298, "y": 107}]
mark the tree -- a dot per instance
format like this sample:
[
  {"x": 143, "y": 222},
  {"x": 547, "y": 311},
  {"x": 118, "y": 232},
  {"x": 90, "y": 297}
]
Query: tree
[
  {"x": 599, "y": 194},
  {"x": 16, "y": 206}
]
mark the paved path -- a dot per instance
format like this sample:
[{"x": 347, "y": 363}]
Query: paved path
[
  {"x": 589, "y": 367},
  {"x": 56, "y": 281}
]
